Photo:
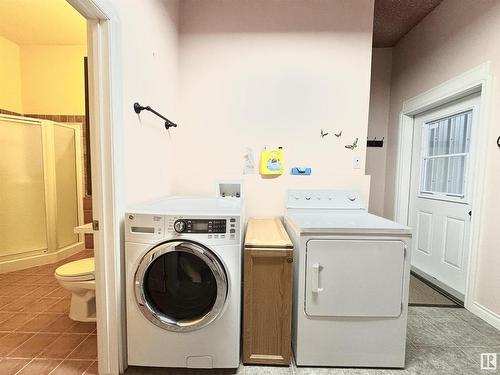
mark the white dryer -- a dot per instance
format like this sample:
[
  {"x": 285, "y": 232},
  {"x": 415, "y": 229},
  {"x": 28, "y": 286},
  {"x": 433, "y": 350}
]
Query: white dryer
[
  {"x": 183, "y": 275},
  {"x": 350, "y": 295}
]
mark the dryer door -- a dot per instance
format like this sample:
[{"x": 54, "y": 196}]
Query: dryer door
[
  {"x": 354, "y": 278},
  {"x": 181, "y": 285}
]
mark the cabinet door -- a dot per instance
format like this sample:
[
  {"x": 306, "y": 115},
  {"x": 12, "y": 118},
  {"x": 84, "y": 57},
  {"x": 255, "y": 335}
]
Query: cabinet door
[
  {"x": 267, "y": 306},
  {"x": 361, "y": 278}
]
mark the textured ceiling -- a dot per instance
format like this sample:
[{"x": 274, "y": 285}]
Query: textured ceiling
[
  {"x": 394, "y": 18},
  {"x": 41, "y": 22}
]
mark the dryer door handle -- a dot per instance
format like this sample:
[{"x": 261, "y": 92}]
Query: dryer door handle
[{"x": 315, "y": 268}]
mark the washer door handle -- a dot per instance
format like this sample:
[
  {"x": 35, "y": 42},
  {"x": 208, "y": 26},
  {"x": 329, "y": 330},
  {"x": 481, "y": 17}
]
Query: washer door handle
[{"x": 316, "y": 267}]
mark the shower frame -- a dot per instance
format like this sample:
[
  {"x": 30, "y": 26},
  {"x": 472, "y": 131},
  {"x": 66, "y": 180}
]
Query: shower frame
[{"x": 52, "y": 253}]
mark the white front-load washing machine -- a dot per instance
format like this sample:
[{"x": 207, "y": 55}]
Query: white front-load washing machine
[{"x": 183, "y": 275}]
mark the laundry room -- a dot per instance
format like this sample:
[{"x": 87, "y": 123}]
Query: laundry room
[{"x": 278, "y": 187}]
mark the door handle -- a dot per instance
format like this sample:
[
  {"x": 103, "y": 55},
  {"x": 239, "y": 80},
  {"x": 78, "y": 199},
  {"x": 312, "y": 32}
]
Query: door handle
[
  {"x": 315, "y": 278},
  {"x": 470, "y": 213}
]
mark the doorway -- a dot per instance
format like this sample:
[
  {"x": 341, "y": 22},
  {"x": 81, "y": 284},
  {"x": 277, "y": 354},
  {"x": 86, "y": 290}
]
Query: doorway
[
  {"x": 101, "y": 22},
  {"x": 476, "y": 80},
  {"x": 440, "y": 206}
]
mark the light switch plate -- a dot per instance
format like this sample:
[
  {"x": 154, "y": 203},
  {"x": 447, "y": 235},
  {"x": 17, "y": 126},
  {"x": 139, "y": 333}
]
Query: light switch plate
[{"x": 356, "y": 162}]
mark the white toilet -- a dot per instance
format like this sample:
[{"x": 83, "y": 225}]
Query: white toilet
[{"x": 78, "y": 277}]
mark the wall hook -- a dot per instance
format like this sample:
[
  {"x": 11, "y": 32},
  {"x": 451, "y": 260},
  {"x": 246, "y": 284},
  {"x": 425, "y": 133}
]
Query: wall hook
[
  {"x": 139, "y": 108},
  {"x": 338, "y": 134},
  {"x": 323, "y": 134},
  {"x": 353, "y": 146}
]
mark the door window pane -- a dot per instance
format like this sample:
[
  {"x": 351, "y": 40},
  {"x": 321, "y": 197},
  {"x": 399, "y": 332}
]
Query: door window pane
[{"x": 445, "y": 154}]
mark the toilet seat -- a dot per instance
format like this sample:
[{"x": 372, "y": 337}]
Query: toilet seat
[{"x": 78, "y": 270}]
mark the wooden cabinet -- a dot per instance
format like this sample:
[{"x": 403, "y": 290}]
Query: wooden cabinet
[{"x": 267, "y": 299}]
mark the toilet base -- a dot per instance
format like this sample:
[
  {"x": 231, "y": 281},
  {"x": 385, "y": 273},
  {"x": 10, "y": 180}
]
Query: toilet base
[{"x": 82, "y": 307}]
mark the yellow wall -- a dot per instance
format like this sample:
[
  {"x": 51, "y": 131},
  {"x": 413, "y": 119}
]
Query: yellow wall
[
  {"x": 53, "y": 79},
  {"x": 10, "y": 76}
]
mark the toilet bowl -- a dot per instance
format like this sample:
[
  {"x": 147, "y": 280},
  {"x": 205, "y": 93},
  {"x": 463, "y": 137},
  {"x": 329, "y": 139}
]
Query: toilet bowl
[{"x": 78, "y": 277}]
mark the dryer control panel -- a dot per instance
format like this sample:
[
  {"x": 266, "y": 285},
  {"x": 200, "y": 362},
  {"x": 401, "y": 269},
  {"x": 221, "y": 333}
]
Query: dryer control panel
[{"x": 324, "y": 199}]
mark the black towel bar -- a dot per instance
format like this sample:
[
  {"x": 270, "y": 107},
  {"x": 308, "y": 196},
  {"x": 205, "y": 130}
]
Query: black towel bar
[{"x": 139, "y": 108}]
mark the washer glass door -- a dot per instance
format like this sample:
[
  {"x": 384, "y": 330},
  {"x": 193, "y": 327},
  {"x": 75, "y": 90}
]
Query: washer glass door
[{"x": 181, "y": 285}]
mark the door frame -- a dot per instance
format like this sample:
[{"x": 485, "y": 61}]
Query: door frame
[
  {"x": 106, "y": 138},
  {"x": 476, "y": 80}
]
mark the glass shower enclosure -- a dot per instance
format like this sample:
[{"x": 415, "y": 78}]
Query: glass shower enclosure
[{"x": 41, "y": 191}]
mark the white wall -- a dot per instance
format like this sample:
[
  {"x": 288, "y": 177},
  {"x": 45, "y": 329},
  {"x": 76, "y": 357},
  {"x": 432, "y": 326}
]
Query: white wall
[
  {"x": 149, "y": 49},
  {"x": 455, "y": 37},
  {"x": 270, "y": 73},
  {"x": 378, "y": 122}
]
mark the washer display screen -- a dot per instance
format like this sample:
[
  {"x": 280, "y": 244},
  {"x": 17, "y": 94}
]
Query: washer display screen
[{"x": 200, "y": 226}]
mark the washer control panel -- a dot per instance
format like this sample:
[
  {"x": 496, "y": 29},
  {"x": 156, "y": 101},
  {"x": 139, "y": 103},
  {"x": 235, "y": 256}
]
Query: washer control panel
[
  {"x": 210, "y": 228},
  {"x": 189, "y": 225},
  {"x": 152, "y": 228}
]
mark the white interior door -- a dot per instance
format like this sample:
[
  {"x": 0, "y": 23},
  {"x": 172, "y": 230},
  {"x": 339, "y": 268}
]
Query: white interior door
[{"x": 440, "y": 198}]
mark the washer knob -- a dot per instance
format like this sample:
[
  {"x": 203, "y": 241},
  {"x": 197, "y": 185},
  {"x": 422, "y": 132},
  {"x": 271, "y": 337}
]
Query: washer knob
[
  {"x": 351, "y": 197},
  {"x": 180, "y": 226}
]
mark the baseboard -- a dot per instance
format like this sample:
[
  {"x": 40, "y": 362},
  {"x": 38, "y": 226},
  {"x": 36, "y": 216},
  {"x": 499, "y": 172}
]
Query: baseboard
[
  {"x": 41, "y": 259},
  {"x": 487, "y": 315}
]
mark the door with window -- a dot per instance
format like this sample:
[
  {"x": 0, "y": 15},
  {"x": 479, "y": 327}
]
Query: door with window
[{"x": 440, "y": 199}]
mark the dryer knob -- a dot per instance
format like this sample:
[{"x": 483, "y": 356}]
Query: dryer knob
[
  {"x": 351, "y": 197},
  {"x": 180, "y": 226}
]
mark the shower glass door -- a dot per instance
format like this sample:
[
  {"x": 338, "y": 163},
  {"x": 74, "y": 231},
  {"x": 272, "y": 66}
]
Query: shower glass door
[
  {"x": 23, "y": 226},
  {"x": 67, "y": 184}
]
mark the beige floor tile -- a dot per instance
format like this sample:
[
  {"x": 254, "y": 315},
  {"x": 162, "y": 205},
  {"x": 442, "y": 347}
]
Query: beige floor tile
[
  {"x": 43, "y": 290},
  {"x": 61, "y": 306},
  {"x": 93, "y": 369},
  {"x": 33, "y": 346},
  {"x": 86, "y": 350},
  {"x": 39, "y": 367},
  {"x": 4, "y": 315},
  {"x": 83, "y": 327},
  {"x": 16, "y": 321},
  {"x": 72, "y": 367},
  {"x": 11, "y": 341},
  {"x": 10, "y": 366},
  {"x": 41, "y": 305},
  {"x": 20, "y": 290},
  {"x": 4, "y": 300},
  {"x": 62, "y": 324},
  {"x": 62, "y": 346},
  {"x": 39, "y": 323},
  {"x": 60, "y": 292},
  {"x": 18, "y": 304}
]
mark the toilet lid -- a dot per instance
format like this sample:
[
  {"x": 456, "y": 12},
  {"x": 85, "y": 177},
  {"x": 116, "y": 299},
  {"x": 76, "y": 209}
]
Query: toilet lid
[{"x": 78, "y": 268}]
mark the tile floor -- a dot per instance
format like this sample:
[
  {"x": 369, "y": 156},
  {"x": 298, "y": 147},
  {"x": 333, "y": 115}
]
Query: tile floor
[
  {"x": 441, "y": 341},
  {"x": 36, "y": 335}
]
